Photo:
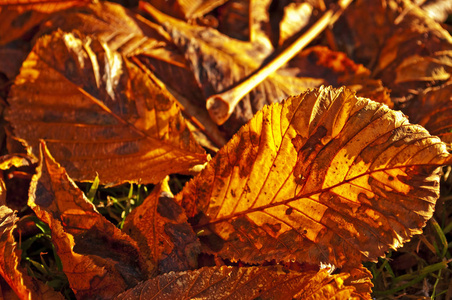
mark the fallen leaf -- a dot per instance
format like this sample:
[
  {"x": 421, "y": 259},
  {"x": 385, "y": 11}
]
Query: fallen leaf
[
  {"x": 219, "y": 62},
  {"x": 432, "y": 108},
  {"x": 336, "y": 69},
  {"x": 18, "y": 17},
  {"x": 324, "y": 177},
  {"x": 121, "y": 29},
  {"x": 247, "y": 21},
  {"x": 98, "y": 259},
  {"x": 145, "y": 43},
  {"x": 99, "y": 113},
  {"x": 160, "y": 228},
  {"x": 186, "y": 9},
  {"x": 24, "y": 286},
  {"x": 244, "y": 283}
]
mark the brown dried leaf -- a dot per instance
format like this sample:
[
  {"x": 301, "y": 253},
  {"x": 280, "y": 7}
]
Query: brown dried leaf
[
  {"x": 247, "y": 20},
  {"x": 219, "y": 62},
  {"x": 17, "y": 17},
  {"x": 336, "y": 69},
  {"x": 324, "y": 177},
  {"x": 186, "y": 9},
  {"x": 99, "y": 113},
  {"x": 123, "y": 30},
  {"x": 98, "y": 259},
  {"x": 244, "y": 283},
  {"x": 23, "y": 285},
  {"x": 432, "y": 108},
  {"x": 160, "y": 228},
  {"x": 403, "y": 65}
]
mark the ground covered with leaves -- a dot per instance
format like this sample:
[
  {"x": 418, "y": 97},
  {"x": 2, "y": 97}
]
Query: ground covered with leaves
[{"x": 225, "y": 149}]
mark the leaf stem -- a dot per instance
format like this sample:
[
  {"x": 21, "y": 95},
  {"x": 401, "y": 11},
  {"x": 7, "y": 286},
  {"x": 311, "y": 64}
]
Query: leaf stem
[{"x": 221, "y": 106}]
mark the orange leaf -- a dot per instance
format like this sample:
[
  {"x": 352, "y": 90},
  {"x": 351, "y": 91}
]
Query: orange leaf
[
  {"x": 244, "y": 283},
  {"x": 98, "y": 259},
  {"x": 432, "y": 108},
  {"x": 99, "y": 113},
  {"x": 324, "y": 177},
  {"x": 17, "y": 17},
  {"x": 23, "y": 285},
  {"x": 160, "y": 228}
]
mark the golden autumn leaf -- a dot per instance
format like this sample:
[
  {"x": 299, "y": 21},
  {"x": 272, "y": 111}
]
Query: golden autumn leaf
[
  {"x": 224, "y": 282},
  {"x": 324, "y": 177},
  {"x": 98, "y": 259},
  {"x": 160, "y": 228},
  {"x": 99, "y": 113},
  {"x": 24, "y": 286}
]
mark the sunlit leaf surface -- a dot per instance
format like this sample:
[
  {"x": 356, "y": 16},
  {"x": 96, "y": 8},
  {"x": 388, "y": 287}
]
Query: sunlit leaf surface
[
  {"x": 244, "y": 283},
  {"x": 326, "y": 176},
  {"x": 99, "y": 113}
]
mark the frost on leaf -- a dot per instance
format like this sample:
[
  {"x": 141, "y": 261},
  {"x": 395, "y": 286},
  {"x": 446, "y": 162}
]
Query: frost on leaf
[{"x": 323, "y": 177}]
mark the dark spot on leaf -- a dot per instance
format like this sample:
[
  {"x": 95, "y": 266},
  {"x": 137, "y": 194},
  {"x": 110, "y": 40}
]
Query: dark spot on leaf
[
  {"x": 127, "y": 149},
  {"x": 391, "y": 178},
  {"x": 22, "y": 19},
  {"x": 99, "y": 242},
  {"x": 43, "y": 197},
  {"x": 289, "y": 211},
  {"x": 168, "y": 208},
  {"x": 51, "y": 116},
  {"x": 186, "y": 248},
  {"x": 212, "y": 241}
]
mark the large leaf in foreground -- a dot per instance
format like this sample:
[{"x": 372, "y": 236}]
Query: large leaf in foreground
[
  {"x": 98, "y": 259},
  {"x": 326, "y": 176},
  {"x": 244, "y": 283},
  {"x": 98, "y": 112}
]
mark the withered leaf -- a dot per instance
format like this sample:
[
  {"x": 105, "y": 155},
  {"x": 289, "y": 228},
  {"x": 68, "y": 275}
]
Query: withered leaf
[
  {"x": 218, "y": 62},
  {"x": 247, "y": 21},
  {"x": 19, "y": 281},
  {"x": 186, "y": 9},
  {"x": 99, "y": 113},
  {"x": 336, "y": 69},
  {"x": 244, "y": 283},
  {"x": 17, "y": 17},
  {"x": 326, "y": 176},
  {"x": 98, "y": 259},
  {"x": 137, "y": 38},
  {"x": 432, "y": 108},
  {"x": 160, "y": 228},
  {"x": 404, "y": 66},
  {"x": 123, "y": 30}
]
